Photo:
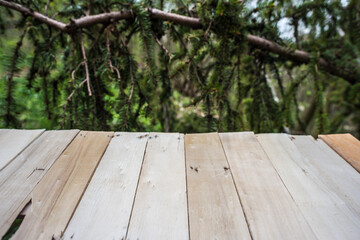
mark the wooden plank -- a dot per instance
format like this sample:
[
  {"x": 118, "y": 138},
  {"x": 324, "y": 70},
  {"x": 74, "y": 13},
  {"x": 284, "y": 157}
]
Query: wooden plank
[
  {"x": 215, "y": 211},
  {"x": 26, "y": 170},
  {"x": 346, "y": 146},
  {"x": 16, "y": 164},
  {"x": 13, "y": 142},
  {"x": 268, "y": 206},
  {"x": 56, "y": 196},
  {"x": 160, "y": 207},
  {"x": 336, "y": 173},
  {"x": 327, "y": 214},
  {"x": 109, "y": 198}
]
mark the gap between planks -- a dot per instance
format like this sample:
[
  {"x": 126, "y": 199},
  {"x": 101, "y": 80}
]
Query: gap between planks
[
  {"x": 237, "y": 190},
  {"x": 270, "y": 210},
  {"x": 331, "y": 169},
  {"x": 214, "y": 206},
  {"x": 188, "y": 167},
  {"x": 346, "y": 145},
  {"x": 327, "y": 214},
  {"x": 13, "y": 142},
  {"x": 160, "y": 210},
  {"x": 19, "y": 176},
  {"x": 108, "y": 199},
  {"x": 56, "y": 196}
]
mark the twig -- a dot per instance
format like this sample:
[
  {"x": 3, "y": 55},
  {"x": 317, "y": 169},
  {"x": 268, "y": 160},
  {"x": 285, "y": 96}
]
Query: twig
[
  {"x": 68, "y": 99},
  {"x": 128, "y": 37},
  {"x": 73, "y": 72},
  {"x": 208, "y": 29},
  {"x": 197, "y": 74},
  {"x": 47, "y": 6},
  {"x": 132, "y": 85},
  {"x": 98, "y": 37},
  {"x": 87, "y": 78},
  {"x": 162, "y": 47},
  {"x": 89, "y": 8},
  {"x": 148, "y": 58},
  {"x": 130, "y": 96},
  {"x": 112, "y": 68},
  {"x": 180, "y": 38}
]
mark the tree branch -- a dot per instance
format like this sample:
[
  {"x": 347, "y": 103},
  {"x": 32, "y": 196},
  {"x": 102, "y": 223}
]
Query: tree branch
[
  {"x": 38, "y": 16},
  {"x": 112, "y": 68},
  {"x": 47, "y": 7},
  {"x": 87, "y": 79},
  {"x": 162, "y": 47},
  {"x": 300, "y": 56},
  {"x": 176, "y": 18},
  {"x": 87, "y": 21}
]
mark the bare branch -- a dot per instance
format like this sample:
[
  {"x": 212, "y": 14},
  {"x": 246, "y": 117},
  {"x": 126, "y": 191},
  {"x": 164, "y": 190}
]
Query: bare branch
[
  {"x": 47, "y": 7},
  {"x": 299, "y": 56},
  {"x": 73, "y": 72},
  {"x": 110, "y": 17},
  {"x": 130, "y": 96},
  {"x": 176, "y": 18},
  {"x": 87, "y": 21},
  {"x": 87, "y": 78},
  {"x": 72, "y": 93},
  {"x": 112, "y": 68},
  {"x": 162, "y": 47},
  {"x": 68, "y": 99},
  {"x": 208, "y": 29},
  {"x": 100, "y": 18},
  {"x": 38, "y": 16}
]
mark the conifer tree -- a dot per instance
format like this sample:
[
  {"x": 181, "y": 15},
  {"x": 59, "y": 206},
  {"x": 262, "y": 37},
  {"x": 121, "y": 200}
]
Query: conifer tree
[{"x": 265, "y": 66}]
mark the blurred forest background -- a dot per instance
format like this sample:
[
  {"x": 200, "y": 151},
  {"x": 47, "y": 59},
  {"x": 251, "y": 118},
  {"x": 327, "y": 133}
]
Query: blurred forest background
[{"x": 148, "y": 73}]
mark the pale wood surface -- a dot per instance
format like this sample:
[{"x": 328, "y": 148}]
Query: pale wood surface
[
  {"x": 327, "y": 213},
  {"x": 346, "y": 145},
  {"x": 331, "y": 169},
  {"x": 160, "y": 207},
  {"x": 55, "y": 198},
  {"x": 214, "y": 207},
  {"x": 96, "y": 185},
  {"x": 13, "y": 142},
  {"x": 268, "y": 206},
  {"x": 104, "y": 210},
  {"x": 26, "y": 170}
]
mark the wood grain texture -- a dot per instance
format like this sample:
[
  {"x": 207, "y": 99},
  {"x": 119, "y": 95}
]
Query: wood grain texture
[
  {"x": 13, "y": 142},
  {"x": 215, "y": 211},
  {"x": 109, "y": 198},
  {"x": 160, "y": 207},
  {"x": 331, "y": 169},
  {"x": 326, "y": 213},
  {"x": 268, "y": 206},
  {"x": 346, "y": 145},
  {"x": 56, "y": 196},
  {"x": 23, "y": 159},
  {"x": 26, "y": 170}
]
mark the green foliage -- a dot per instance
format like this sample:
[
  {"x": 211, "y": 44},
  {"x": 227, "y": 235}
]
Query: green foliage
[
  {"x": 14, "y": 227},
  {"x": 151, "y": 75}
]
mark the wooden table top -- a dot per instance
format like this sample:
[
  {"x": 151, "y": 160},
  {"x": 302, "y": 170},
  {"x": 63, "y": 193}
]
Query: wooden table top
[{"x": 73, "y": 184}]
